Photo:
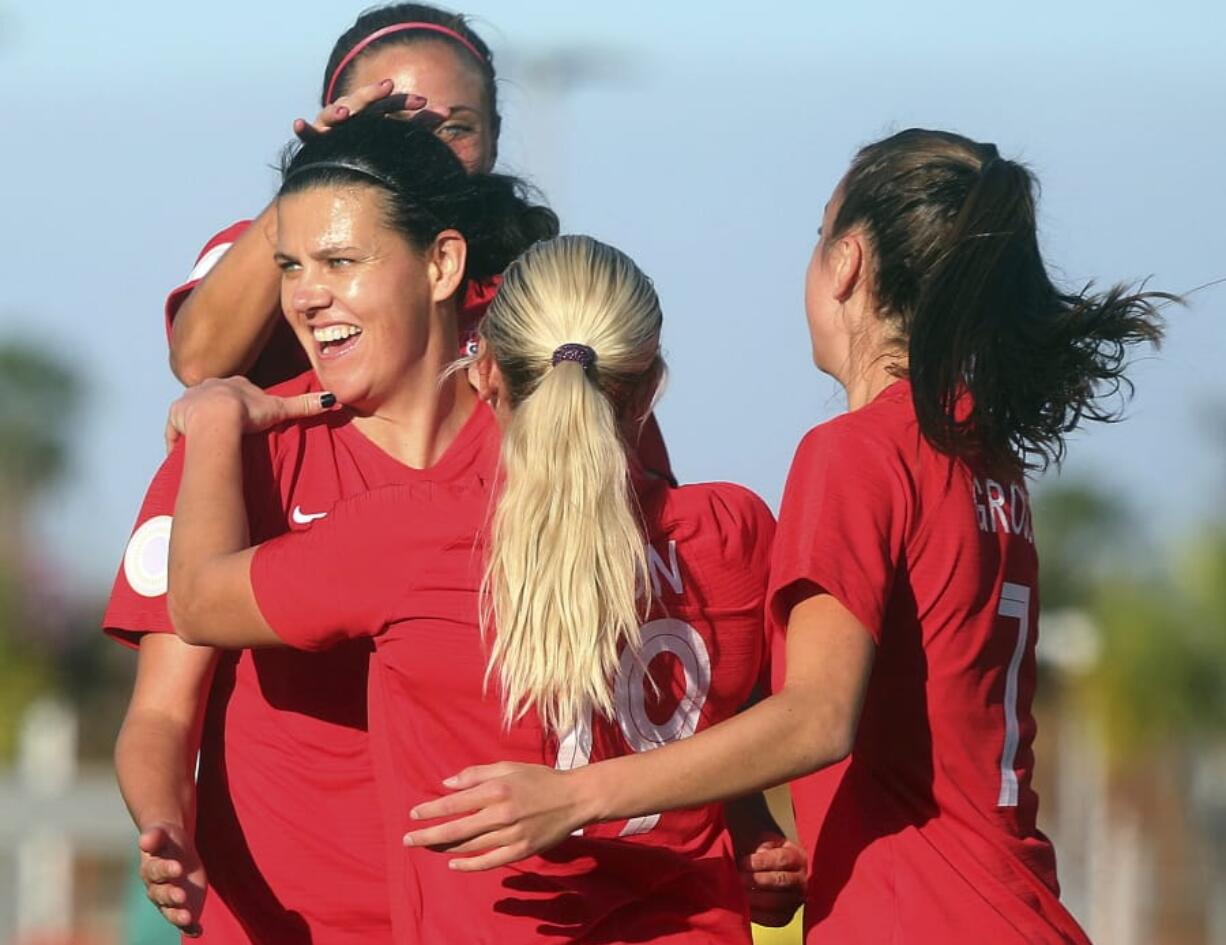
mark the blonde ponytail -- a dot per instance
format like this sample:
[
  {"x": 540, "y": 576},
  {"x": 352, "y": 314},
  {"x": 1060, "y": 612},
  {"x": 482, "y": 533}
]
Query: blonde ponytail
[{"x": 566, "y": 579}]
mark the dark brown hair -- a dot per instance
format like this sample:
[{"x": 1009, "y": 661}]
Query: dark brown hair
[
  {"x": 377, "y": 18},
  {"x": 424, "y": 189},
  {"x": 1003, "y": 364}
]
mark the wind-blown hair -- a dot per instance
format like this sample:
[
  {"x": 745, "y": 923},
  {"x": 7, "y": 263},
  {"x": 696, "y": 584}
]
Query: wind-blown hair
[
  {"x": 566, "y": 582},
  {"x": 958, "y": 274}
]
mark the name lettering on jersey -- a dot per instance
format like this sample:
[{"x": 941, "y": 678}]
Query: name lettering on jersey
[
  {"x": 670, "y": 572},
  {"x": 1002, "y": 507}
]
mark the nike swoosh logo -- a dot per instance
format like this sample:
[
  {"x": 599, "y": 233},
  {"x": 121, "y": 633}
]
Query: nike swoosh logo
[{"x": 300, "y": 517}]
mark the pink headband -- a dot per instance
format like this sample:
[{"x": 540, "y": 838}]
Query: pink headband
[{"x": 400, "y": 28}]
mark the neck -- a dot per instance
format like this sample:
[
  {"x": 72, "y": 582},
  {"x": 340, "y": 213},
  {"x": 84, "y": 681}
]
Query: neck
[
  {"x": 865, "y": 386},
  {"x": 872, "y": 364},
  {"x": 422, "y": 419}
]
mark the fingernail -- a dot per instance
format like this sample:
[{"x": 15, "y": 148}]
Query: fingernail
[
  {"x": 453, "y": 864},
  {"x": 386, "y": 83},
  {"x": 413, "y": 815},
  {"x": 415, "y": 101},
  {"x": 451, "y": 781},
  {"x": 408, "y": 840},
  {"x": 342, "y": 111},
  {"x": 327, "y": 400}
]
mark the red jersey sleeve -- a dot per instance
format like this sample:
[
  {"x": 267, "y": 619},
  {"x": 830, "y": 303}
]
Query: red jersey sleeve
[
  {"x": 842, "y": 524},
  {"x": 342, "y": 578},
  {"x": 213, "y": 250},
  {"x": 138, "y": 597}
]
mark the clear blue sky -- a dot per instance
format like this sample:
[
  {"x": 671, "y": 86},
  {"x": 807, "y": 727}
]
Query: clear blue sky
[{"x": 705, "y": 144}]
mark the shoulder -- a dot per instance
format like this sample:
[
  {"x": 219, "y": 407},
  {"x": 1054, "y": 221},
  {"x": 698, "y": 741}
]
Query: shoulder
[
  {"x": 723, "y": 514},
  {"x": 879, "y": 441}
]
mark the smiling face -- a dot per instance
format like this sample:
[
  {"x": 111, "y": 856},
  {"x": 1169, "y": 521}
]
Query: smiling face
[
  {"x": 357, "y": 294},
  {"x": 451, "y": 83}
]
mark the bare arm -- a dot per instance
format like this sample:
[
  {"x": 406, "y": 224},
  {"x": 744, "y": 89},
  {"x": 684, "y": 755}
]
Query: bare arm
[
  {"x": 210, "y": 598},
  {"x": 516, "y": 810},
  {"x": 154, "y": 759},
  {"x": 226, "y": 320}
]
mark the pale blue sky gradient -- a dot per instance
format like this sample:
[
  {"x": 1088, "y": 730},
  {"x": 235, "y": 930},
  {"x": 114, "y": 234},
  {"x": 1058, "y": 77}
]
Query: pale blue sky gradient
[{"x": 705, "y": 146}]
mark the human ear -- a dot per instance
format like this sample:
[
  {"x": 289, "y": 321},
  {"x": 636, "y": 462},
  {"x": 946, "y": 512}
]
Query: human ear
[
  {"x": 485, "y": 376},
  {"x": 446, "y": 259},
  {"x": 848, "y": 265}
]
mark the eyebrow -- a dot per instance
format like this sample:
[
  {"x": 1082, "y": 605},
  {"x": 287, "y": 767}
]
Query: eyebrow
[{"x": 463, "y": 108}]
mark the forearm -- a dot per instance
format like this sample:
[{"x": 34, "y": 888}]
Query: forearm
[
  {"x": 780, "y": 738},
  {"x": 154, "y": 762},
  {"x": 226, "y": 320},
  {"x": 210, "y": 522}
]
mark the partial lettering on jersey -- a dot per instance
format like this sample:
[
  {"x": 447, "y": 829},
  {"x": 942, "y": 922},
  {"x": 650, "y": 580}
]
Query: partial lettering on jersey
[
  {"x": 662, "y": 637},
  {"x": 1002, "y": 507}
]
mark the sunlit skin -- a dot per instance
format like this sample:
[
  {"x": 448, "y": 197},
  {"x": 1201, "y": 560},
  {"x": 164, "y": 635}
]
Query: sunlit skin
[
  {"x": 850, "y": 339},
  {"x": 451, "y": 82},
  {"x": 342, "y": 266}
]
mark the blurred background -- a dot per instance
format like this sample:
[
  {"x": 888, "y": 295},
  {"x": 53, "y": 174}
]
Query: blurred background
[{"x": 704, "y": 140}]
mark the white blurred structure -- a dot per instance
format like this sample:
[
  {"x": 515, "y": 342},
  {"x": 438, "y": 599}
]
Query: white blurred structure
[{"x": 50, "y": 813}]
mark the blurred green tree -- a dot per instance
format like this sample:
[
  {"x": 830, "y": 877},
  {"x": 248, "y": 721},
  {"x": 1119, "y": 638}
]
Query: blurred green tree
[{"x": 39, "y": 394}]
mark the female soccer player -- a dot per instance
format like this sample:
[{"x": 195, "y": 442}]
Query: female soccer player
[
  {"x": 555, "y": 661},
  {"x": 904, "y": 577},
  {"x": 374, "y": 255},
  {"x": 226, "y": 318}
]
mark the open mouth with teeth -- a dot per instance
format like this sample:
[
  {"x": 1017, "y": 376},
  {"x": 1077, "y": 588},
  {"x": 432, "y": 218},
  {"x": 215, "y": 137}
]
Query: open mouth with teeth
[{"x": 335, "y": 340}]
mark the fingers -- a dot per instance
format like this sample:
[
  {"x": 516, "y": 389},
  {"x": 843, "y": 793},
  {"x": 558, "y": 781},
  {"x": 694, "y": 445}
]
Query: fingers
[
  {"x": 376, "y": 98},
  {"x": 782, "y": 857},
  {"x": 159, "y": 870},
  {"x": 398, "y": 102},
  {"x": 166, "y": 895},
  {"x": 308, "y": 405},
  {"x": 477, "y": 774},
  {"x": 459, "y": 834},
  {"x": 775, "y": 880},
  {"x": 487, "y": 861}
]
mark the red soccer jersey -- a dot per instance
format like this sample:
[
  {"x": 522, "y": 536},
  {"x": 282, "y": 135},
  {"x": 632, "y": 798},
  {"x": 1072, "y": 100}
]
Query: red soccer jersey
[
  {"x": 288, "y": 820},
  {"x": 410, "y": 562},
  {"x": 927, "y": 833}
]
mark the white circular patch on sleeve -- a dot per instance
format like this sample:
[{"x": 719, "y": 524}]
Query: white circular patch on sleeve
[{"x": 146, "y": 561}]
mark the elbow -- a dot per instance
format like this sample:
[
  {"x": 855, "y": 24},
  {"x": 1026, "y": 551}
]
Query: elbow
[
  {"x": 188, "y": 366},
  {"x": 825, "y": 737},
  {"x": 185, "y": 619}
]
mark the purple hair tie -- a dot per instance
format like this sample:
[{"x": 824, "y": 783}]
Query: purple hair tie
[{"x": 582, "y": 355}]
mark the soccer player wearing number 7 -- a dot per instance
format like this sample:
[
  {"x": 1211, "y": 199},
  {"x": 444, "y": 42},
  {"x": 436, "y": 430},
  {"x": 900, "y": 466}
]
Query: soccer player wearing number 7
[
  {"x": 904, "y": 583},
  {"x": 575, "y": 609}
]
